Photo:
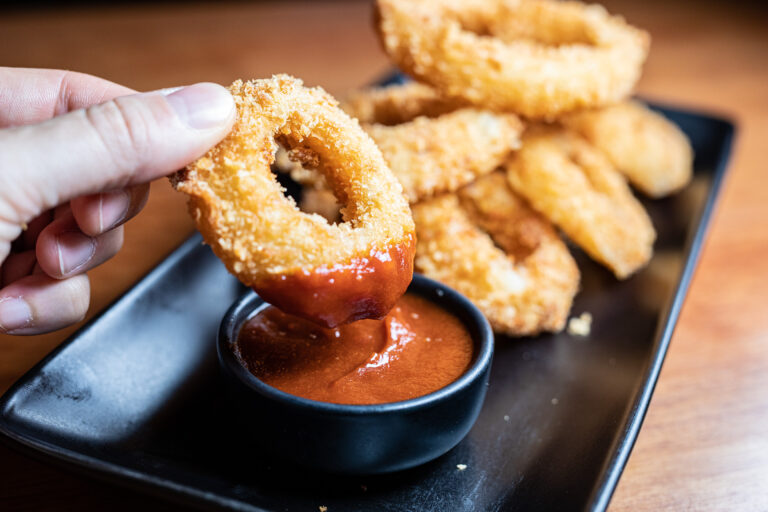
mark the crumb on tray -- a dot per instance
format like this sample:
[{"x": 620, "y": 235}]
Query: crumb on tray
[{"x": 580, "y": 325}]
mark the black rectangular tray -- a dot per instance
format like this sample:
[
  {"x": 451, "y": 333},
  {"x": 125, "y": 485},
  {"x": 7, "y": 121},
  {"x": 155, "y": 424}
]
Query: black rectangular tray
[{"x": 134, "y": 395}]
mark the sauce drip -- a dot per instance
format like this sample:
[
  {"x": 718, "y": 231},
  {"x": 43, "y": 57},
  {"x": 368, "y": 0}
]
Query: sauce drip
[
  {"x": 366, "y": 287},
  {"x": 416, "y": 349}
]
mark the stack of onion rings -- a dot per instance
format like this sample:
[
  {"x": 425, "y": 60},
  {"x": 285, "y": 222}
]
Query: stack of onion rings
[{"x": 491, "y": 235}]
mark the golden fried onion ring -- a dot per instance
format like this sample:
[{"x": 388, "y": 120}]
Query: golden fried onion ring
[
  {"x": 431, "y": 144},
  {"x": 537, "y": 58},
  {"x": 647, "y": 148},
  {"x": 505, "y": 257},
  {"x": 432, "y": 156},
  {"x": 571, "y": 183},
  {"x": 398, "y": 103},
  {"x": 297, "y": 261}
]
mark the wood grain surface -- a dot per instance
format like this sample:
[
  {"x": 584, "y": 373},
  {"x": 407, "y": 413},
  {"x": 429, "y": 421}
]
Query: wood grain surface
[{"x": 704, "y": 443}]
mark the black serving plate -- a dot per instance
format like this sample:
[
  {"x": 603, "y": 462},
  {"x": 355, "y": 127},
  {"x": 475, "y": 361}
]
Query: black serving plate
[{"x": 135, "y": 396}]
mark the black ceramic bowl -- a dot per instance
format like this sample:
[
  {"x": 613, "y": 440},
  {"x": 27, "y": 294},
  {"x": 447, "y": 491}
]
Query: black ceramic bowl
[{"x": 360, "y": 439}]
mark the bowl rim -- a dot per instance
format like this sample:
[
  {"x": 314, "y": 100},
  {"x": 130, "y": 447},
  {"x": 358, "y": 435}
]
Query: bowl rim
[{"x": 428, "y": 288}]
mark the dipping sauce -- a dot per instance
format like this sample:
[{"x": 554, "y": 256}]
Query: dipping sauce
[
  {"x": 414, "y": 350},
  {"x": 366, "y": 287}
]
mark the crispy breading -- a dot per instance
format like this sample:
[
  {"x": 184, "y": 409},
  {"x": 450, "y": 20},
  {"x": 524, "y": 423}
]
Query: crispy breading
[
  {"x": 576, "y": 187},
  {"x": 536, "y": 58},
  {"x": 398, "y": 103},
  {"x": 431, "y": 144},
  {"x": 240, "y": 208},
  {"x": 652, "y": 152},
  {"x": 524, "y": 282},
  {"x": 432, "y": 156}
]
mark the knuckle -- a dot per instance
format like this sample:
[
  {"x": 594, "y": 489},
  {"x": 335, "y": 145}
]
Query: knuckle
[
  {"x": 20, "y": 199},
  {"x": 123, "y": 127}
]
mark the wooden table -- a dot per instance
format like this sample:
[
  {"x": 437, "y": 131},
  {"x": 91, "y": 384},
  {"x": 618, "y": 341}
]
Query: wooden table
[{"x": 704, "y": 444}]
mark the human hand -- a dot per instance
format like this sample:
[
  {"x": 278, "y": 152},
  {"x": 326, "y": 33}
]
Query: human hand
[{"x": 77, "y": 154}]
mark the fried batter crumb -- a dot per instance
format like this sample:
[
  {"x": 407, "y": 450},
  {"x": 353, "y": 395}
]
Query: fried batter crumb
[
  {"x": 461, "y": 467},
  {"x": 322, "y": 508},
  {"x": 580, "y": 325}
]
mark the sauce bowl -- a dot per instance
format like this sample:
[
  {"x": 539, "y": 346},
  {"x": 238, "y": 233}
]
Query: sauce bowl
[{"x": 359, "y": 439}]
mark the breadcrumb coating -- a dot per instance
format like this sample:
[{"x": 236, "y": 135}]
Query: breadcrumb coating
[
  {"x": 432, "y": 156},
  {"x": 240, "y": 208},
  {"x": 488, "y": 244},
  {"x": 536, "y": 58},
  {"x": 575, "y": 186},
  {"x": 431, "y": 144},
  {"x": 652, "y": 152},
  {"x": 398, "y": 103}
]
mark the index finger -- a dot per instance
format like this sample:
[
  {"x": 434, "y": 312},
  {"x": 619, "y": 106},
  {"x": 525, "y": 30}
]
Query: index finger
[{"x": 32, "y": 95}]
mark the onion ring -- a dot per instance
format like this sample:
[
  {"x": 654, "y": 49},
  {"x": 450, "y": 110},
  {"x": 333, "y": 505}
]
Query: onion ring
[
  {"x": 524, "y": 283},
  {"x": 537, "y": 58},
  {"x": 652, "y": 152},
  {"x": 398, "y": 103},
  {"x": 432, "y": 156},
  {"x": 431, "y": 144},
  {"x": 573, "y": 184},
  {"x": 299, "y": 262}
]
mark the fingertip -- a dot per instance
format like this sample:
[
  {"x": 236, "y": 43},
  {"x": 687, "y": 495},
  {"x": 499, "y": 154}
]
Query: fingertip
[
  {"x": 203, "y": 106},
  {"x": 96, "y": 213},
  {"x": 15, "y": 314},
  {"x": 99, "y": 213},
  {"x": 39, "y": 303},
  {"x": 63, "y": 250},
  {"x": 16, "y": 266}
]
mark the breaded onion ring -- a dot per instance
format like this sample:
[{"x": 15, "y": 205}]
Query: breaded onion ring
[
  {"x": 571, "y": 183},
  {"x": 398, "y": 103},
  {"x": 299, "y": 262},
  {"x": 432, "y": 145},
  {"x": 431, "y": 156},
  {"x": 647, "y": 148},
  {"x": 524, "y": 289},
  {"x": 537, "y": 58}
]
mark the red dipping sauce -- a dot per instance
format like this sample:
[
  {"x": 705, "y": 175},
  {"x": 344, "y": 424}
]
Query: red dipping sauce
[
  {"x": 366, "y": 287},
  {"x": 414, "y": 350}
]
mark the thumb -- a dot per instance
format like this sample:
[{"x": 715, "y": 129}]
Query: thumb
[{"x": 125, "y": 141}]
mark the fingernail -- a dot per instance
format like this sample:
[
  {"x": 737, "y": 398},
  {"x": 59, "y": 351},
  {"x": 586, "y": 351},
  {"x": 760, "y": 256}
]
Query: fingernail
[
  {"x": 74, "y": 250},
  {"x": 14, "y": 314},
  {"x": 202, "y": 106},
  {"x": 113, "y": 207}
]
